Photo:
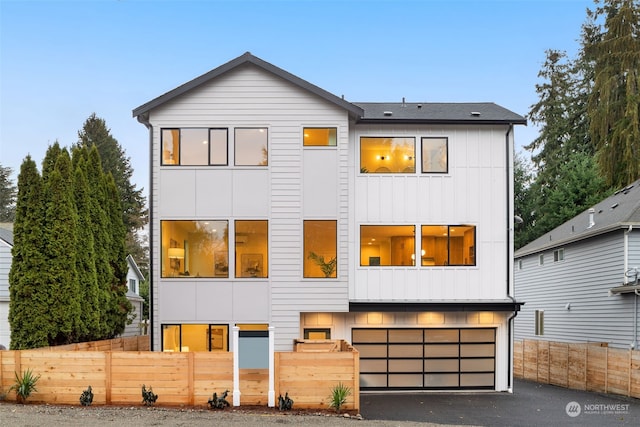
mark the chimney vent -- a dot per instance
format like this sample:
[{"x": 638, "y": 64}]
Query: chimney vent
[{"x": 591, "y": 220}]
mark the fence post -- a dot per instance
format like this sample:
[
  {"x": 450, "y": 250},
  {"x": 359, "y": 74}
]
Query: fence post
[
  {"x": 271, "y": 395},
  {"x": 236, "y": 366}
]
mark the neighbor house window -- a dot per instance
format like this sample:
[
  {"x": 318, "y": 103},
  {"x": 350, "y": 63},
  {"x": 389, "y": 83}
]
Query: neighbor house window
[
  {"x": 252, "y": 248},
  {"x": 320, "y": 137},
  {"x": 387, "y": 245},
  {"x": 194, "y": 248},
  {"x": 448, "y": 245},
  {"x": 197, "y": 337},
  {"x": 558, "y": 255},
  {"x": 320, "y": 249},
  {"x": 434, "y": 155},
  {"x": 539, "y": 322},
  {"x": 387, "y": 155},
  {"x": 519, "y": 264},
  {"x": 194, "y": 147},
  {"x": 541, "y": 259},
  {"x": 132, "y": 286},
  {"x": 251, "y": 147}
]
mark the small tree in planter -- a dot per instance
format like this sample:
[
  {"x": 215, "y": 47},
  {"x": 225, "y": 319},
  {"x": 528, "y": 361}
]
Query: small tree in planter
[{"x": 25, "y": 385}]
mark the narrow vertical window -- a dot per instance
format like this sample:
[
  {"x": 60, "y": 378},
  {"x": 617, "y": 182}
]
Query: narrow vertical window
[
  {"x": 558, "y": 255},
  {"x": 218, "y": 143},
  {"x": 252, "y": 249},
  {"x": 320, "y": 249},
  {"x": 251, "y": 147},
  {"x": 170, "y": 146},
  {"x": 541, "y": 259},
  {"x": 539, "y": 322},
  {"x": 320, "y": 137}
]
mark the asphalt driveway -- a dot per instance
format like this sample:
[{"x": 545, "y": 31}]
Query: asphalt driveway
[{"x": 530, "y": 404}]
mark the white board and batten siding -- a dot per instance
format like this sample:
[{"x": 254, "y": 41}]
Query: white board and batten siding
[
  {"x": 583, "y": 279},
  {"x": 473, "y": 192},
  {"x": 299, "y": 183}
]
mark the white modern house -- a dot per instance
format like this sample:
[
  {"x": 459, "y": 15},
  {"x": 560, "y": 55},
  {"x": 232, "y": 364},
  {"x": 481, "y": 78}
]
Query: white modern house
[
  {"x": 580, "y": 281},
  {"x": 278, "y": 206}
]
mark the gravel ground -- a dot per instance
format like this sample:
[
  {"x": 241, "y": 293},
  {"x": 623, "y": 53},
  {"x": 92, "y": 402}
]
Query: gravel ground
[{"x": 36, "y": 415}]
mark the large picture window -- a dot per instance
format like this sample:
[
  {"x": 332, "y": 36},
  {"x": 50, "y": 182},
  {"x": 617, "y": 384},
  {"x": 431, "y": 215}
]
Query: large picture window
[
  {"x": 252, "y": 248},
  {"x": 320, "y": 256},
  {"x": 194, "y": 147},
  {"x": 448, "y": 245},
  {"x": 387, "y": 155},
  {"x": 195, "y": 337},
  {"x": 251, "y": 147},
  {"x": 195, "y": 248},
  {"x": 435, "y": 155},
  {"x": 392, "y": 245},
  {"x": 320, "y": 137}
]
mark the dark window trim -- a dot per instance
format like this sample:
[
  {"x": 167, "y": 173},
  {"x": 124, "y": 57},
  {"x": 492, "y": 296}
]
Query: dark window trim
[{"x": 179, "y": 325}]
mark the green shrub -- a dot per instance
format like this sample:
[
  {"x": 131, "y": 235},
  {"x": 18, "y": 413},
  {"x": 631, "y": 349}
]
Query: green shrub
[
  {"x": 25, "y": 385},
  {"x": 339, "y": 395}
]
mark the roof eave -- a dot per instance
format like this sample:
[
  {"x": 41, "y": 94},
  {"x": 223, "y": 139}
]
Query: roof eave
[{"x": 440, "y": 121}]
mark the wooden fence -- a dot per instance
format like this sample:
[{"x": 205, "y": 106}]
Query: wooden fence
[
  {"x": 580, "y": 366},
  {"x": 135, "y": 343},
  {"x": 180, "y": 379}
]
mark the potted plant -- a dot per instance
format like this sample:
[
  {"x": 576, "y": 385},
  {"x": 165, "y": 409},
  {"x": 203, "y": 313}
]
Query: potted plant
[{"x": 327, "y": 267}]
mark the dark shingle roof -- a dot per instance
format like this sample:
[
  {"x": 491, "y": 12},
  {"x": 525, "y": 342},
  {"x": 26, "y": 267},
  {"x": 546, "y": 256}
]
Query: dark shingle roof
[
  {"x": 364, "y": 112},
  {"x": 613, "y": 213},
  {"x": 437, "y": 112},
  {"x": 6, "y": 235}
]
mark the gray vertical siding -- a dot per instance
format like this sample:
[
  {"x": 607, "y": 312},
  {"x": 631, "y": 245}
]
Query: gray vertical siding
[{"x": 583, "y": 279}]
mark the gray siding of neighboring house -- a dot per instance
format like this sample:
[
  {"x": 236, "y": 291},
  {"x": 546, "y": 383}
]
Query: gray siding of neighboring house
[
  {"x": 5, "y": 266},
  {"x": 583, "y": 279}
]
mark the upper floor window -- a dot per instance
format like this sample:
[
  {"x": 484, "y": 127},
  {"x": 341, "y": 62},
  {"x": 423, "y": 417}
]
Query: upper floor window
[
  {"x": 320, "y": 249},
  {"x": 392, "y": 245},
  {"x": 448, "y": 245},
  {"x": 320, "y": 137},
  {"x": 434, "y": 155},
  {"x": 194, "y": 147},
  {"x": 387, "y": 155},
  {"x": 558, "y": 255},
  {"x": 251, "y": 147},
  {"x": 252, "y": 248},
  {"x": 132, "y": 285},
  {"x": 541, "y": 259},
  {"x": 194, "y": 248}
]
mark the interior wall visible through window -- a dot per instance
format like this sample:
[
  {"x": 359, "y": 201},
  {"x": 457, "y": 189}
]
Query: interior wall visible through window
[
  {"x": 320, "y": 248},
  {"x": 387, "y": 155}
]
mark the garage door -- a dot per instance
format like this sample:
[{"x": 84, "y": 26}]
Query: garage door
[{"x": 422, "y": 359}]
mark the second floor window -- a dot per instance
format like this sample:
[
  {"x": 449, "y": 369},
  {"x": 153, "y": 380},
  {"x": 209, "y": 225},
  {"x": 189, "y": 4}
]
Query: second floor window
[
  {"x": 387, "y": 155},
  {"x": 320, "y": 251},
  {"x": 320, "y": 137},
  {"x": 194, "y": 147},
  {"x": 252, "y": 248}
]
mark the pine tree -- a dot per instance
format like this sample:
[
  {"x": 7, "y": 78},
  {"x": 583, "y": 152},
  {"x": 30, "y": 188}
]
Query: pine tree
[
  {"x": 28, "y": 307},
  {"x": 7, "y": 195},
  {"x": 614, "y": 104}
]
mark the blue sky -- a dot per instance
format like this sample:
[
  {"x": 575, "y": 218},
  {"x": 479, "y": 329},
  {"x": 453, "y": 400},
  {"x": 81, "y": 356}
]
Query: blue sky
[{"x": 61, "y": 61}]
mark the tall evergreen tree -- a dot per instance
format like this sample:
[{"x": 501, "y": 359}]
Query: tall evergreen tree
[
  {"x": 524, "y": 202},
  {"x": 7, "y": 195},
  {"x": 60, "y": 247},
  {"x": 28, "y": 304},
  {"x": 114, "y": 161},
  {"x": 85, "y": 253},
  {"x": 614, "y": 104}
]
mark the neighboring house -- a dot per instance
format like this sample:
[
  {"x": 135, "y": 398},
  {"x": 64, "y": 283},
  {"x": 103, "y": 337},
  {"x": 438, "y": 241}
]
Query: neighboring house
[
  {"x": 275, "y": 204},
  {"x": 134, "y": 277},
  {"x": 580, "y": 280},
  {"x": 6, "y": 244}
]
